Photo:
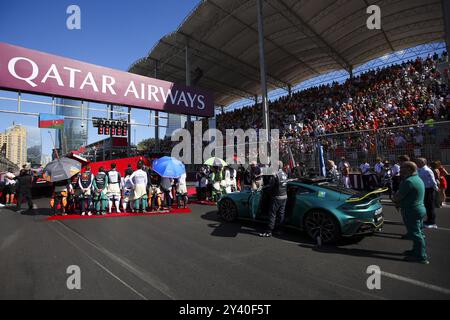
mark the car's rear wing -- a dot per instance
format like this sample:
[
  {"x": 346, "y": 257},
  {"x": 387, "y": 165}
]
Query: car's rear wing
[{"x": 367, "y": 196}]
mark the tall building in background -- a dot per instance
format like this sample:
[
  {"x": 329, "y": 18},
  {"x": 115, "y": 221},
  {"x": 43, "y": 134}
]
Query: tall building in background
[
  {"x": 34, "y": 145},
  {"x": 175, "y": 121},
  {"x": 75, "y": 134},
  {"x": 14, "y": 141}
]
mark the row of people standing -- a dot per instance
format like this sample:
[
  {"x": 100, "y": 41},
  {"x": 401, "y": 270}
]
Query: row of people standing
[
  {"x": 382, "y": 174},
  {"x": 212, "y": 182},
  {"x": 18, "y": 188},
  {"x": 385, "y": 174},
  {"x": 339, "y": 174},
  {"x": 137, "y": 191}
]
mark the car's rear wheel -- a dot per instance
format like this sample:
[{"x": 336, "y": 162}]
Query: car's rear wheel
[
  {"x": 228, "y": 210},
  {"x": 322, "y": 224}
]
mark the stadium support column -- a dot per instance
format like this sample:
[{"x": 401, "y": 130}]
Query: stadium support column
[
  {"x": 111, "y": 117},
  {"x": 157, "y": 114},
  {"x": 129, "y": 131},
  {"x": 446, "y": 10},
  {"x": 188, "y": 78},
  {"x": 290, "y": 91},
  {"x": 262, "y": 65}
]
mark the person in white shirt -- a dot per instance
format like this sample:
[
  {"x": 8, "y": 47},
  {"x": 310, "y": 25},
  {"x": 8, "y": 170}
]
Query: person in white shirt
[
  {"x": 182, "y": 193},
  {"x": 341, "y": 164},
  {"x": 344, "y": 169},
  {"x": 139, "y": 180},
  {"x": 395, "y": 169},
  {"x": 227, "y": 180},
  {"x": 10, "y": 187},
  {"x": 114, "y": 188},
  {"x": 379, "y": 166},
  {"x": 166, "y": 186},
  {"x": 127, "y": 190},
  {"x": 379, "y": 170},
  {"x": 431, "y": 187},
  {"x": 203, "y": 184},
  {"x": 365, "y": 171},
  {"x": 233, "y": 181}
]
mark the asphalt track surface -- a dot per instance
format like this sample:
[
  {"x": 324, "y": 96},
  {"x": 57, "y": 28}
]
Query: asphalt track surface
[{"x": 195, "y": 256}]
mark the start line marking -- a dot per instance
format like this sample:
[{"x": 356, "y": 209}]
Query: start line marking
[
  {"x": 416, "y": 283},
  {"x": 404, "y": 279},
  {"x": 439, "y": 228}
]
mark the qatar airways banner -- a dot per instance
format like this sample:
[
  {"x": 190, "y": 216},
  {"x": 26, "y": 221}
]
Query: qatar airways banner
[{"x": 37, "y": 72}]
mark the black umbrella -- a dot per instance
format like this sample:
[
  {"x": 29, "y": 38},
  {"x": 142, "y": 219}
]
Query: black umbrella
[{"x": 61, "y": 169}]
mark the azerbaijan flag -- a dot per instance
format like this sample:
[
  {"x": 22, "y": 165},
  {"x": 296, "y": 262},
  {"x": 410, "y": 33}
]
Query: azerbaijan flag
[{"x": 51, "y": 121}]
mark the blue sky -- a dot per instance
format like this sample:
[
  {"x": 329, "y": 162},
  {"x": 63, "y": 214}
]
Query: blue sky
[{"x": 113, "y": 34}]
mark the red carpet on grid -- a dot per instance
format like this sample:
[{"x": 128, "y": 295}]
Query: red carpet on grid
[
  {"x": 118, "y": 215},
  {"x": 204, "y": 203}
]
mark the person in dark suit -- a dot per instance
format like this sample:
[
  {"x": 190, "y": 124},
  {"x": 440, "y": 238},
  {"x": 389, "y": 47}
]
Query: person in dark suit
[
  {"x": 24, "y": 184},
  {"x": 278, "y": 199}
]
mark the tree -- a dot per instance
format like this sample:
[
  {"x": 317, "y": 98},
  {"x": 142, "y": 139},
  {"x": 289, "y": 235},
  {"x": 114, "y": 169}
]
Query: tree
[{"x": 147, "y": 145}]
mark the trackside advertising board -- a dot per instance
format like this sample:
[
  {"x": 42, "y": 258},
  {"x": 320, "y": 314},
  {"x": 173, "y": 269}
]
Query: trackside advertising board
[{"x": 32, "y": 71}]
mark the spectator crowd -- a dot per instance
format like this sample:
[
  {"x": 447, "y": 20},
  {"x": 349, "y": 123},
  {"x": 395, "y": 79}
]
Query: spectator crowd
[{"x": 411, "y": 96}]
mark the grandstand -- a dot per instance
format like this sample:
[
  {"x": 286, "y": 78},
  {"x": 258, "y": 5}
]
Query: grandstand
[
  {"x": 384, "y": 112},
  {"x": 370, "y": 111}
]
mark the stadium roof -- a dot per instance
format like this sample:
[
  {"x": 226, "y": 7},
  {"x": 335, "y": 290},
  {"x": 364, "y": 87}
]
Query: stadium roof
[{"x": 303, "y": 39}]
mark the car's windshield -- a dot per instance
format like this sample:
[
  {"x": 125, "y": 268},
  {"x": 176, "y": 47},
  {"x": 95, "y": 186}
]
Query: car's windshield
[{"x": 337, "y": 188}]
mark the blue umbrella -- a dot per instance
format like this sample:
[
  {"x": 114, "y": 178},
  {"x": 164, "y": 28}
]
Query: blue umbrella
[{"x": 169, "y": 167}]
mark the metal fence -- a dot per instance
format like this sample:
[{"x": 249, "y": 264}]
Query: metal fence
[{"x": 430, "y": 141}]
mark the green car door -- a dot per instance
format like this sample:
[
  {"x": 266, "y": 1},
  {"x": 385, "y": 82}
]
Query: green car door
[
  {"x": 259, "y": 202},
  {"x": 299, "y": 202}
]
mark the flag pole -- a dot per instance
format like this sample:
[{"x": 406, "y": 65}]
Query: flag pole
[{"x": 54, "y": 146}]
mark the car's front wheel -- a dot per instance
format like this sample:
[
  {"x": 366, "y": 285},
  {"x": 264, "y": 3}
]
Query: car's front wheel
[
  {"x": 227, "y": 210},
  {"x": 321, "y": 224}
]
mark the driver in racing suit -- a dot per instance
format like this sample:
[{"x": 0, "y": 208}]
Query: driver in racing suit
[
  {"x": 114, "y": 188},
  {"x": 85, "y": 183},
  {"x": 100, "y": 186},
  {"x": 139, "y": 179}
]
